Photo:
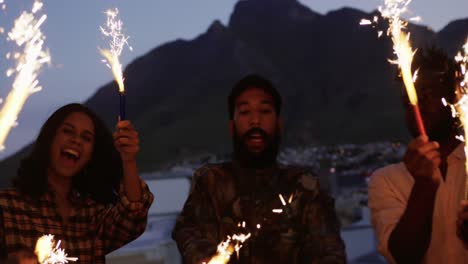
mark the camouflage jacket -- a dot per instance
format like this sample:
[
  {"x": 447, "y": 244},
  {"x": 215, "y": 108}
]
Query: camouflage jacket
[{"x": 224, "y": 195}]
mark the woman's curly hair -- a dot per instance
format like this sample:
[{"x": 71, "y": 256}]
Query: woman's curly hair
[{"x": 99, "y": 179}]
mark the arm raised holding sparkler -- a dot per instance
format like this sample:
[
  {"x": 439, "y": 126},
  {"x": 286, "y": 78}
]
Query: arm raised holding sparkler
[
  {"x": 127, "y": 143},
  {"x": 70, "y": 185},
  {"x": 408, "y": 209},
  {"x": 127, "y": 220}
]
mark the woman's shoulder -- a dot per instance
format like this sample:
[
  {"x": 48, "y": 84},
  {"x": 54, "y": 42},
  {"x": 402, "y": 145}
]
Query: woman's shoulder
[{"x": 12, "y": 196}]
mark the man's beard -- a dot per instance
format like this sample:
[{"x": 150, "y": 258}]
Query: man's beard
[{"x": 250, "y": 159}]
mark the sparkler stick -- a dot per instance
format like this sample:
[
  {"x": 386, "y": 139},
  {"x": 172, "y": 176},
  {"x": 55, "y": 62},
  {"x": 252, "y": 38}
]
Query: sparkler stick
[
  {"x": 460, "y": 108},
  {"x": 26, "y": 33},
  {"x": 49, "y": 252},
  {"x": 392, "y": 11},
  {"x": 113, "y": 30}
]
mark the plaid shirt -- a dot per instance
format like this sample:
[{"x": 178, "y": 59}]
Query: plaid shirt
[
  {"x": 93, "y": 229},
  {"x": 222, "y": 195}
]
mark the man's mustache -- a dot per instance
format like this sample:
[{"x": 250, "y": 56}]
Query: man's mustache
[{"x": 255, "y": 130}]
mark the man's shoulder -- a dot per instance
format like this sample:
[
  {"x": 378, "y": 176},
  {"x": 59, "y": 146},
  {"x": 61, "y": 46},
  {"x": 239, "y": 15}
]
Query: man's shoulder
[
  {"x": 302, "y": 175},
  {"x": 394, "y": 170},
  {"x": 213, "y": 171},
  {"x": 211, "y": 168},
  {"x": 393, "y": 176},
  {"x": 294, "y": 169}
]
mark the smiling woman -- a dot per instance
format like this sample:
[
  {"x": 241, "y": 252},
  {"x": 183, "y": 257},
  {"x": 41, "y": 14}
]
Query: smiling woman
[{"x": 79, "y": 184}]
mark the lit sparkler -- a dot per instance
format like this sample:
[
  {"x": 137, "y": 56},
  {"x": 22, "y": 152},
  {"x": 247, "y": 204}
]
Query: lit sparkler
[
  {"x": 228, "y": 247},
  {"x": 460, "y": 109},
  {"x": 113, "y": 30},
  {"x": 49, "y": 252},
  {"x": 27, "y": 34},
  {"x": 392, "y": 11}
]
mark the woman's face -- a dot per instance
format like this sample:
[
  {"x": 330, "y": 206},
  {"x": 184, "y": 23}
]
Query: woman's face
[{"x": 72, "y": 146}]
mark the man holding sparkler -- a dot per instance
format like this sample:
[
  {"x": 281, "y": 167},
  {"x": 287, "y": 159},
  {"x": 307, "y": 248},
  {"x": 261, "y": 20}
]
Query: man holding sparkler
[
  {"x": 245, "y": 196},
  {"x": 415, "y": 203},
  {"x": 79, "y": 184}
]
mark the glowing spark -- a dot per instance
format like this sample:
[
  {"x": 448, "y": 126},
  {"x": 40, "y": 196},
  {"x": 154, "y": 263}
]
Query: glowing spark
[
  {"x": 290, "y": 199},
  {"x": 364, "y": 22},
  {"x": 282, "y": 199},
  {"x": 460, "y": 108},
  {"x": 49, "y": 252},
  {"x": 259, "y": 226},
  {"x": 27, "y": 35},
  {"x": 228, "y": 247},
  {"x": 37, "y": 6},
  {"x": 415, "y": 75},
  {"x": 113, "y": 30}
]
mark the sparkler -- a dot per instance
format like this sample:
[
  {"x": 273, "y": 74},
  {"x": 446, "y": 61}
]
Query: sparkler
[
  {"x": 49, "y": 252},
  {"x": 228, "y": 247},
  {"x": 392, "y": 11},
  {"x": 27, "y": 34},
  {"x": 460, "y": 109},
  {"x": 113, "y": 30}
]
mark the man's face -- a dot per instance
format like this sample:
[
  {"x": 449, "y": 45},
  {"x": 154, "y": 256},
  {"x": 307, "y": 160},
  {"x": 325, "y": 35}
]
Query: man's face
[
  {"x": 255, "y": 126},
  {"x": 437, "y": 118}
]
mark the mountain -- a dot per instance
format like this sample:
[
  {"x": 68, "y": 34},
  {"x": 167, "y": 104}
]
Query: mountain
[
  {"x": 453, "y": 36},
  {"x": 336, "y": 82}
]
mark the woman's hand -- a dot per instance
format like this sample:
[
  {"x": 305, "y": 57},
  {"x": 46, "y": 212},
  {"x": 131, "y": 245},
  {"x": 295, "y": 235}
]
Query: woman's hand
[{"x": 126, "y": 141}]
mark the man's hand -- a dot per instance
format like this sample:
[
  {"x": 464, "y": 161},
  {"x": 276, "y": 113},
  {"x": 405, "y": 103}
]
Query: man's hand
[
  {"x": 126, "y": 141},
  {"x": 462, "y": 222},
  {"x": 422, "y": 158}
]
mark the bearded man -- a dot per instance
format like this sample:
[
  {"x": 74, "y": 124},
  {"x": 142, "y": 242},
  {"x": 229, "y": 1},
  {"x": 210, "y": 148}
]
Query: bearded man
[{"x": 240, "y": 196}]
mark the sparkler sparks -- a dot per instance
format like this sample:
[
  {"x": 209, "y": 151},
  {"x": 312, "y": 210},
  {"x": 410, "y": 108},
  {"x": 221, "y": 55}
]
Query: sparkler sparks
[
  {"x": 283, "y": 202},
  {"x": 49, "y": 252},
  {"x": 228, "y": 247},
  {"x": 113, "y": 29},
  {"x": 27, "y": 34},
  {"x": 392, "y": 11},
  {"x": 460, "y": 109}
]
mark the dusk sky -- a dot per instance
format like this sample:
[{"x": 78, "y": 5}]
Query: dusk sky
[{"x": 73, "y": 36}]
